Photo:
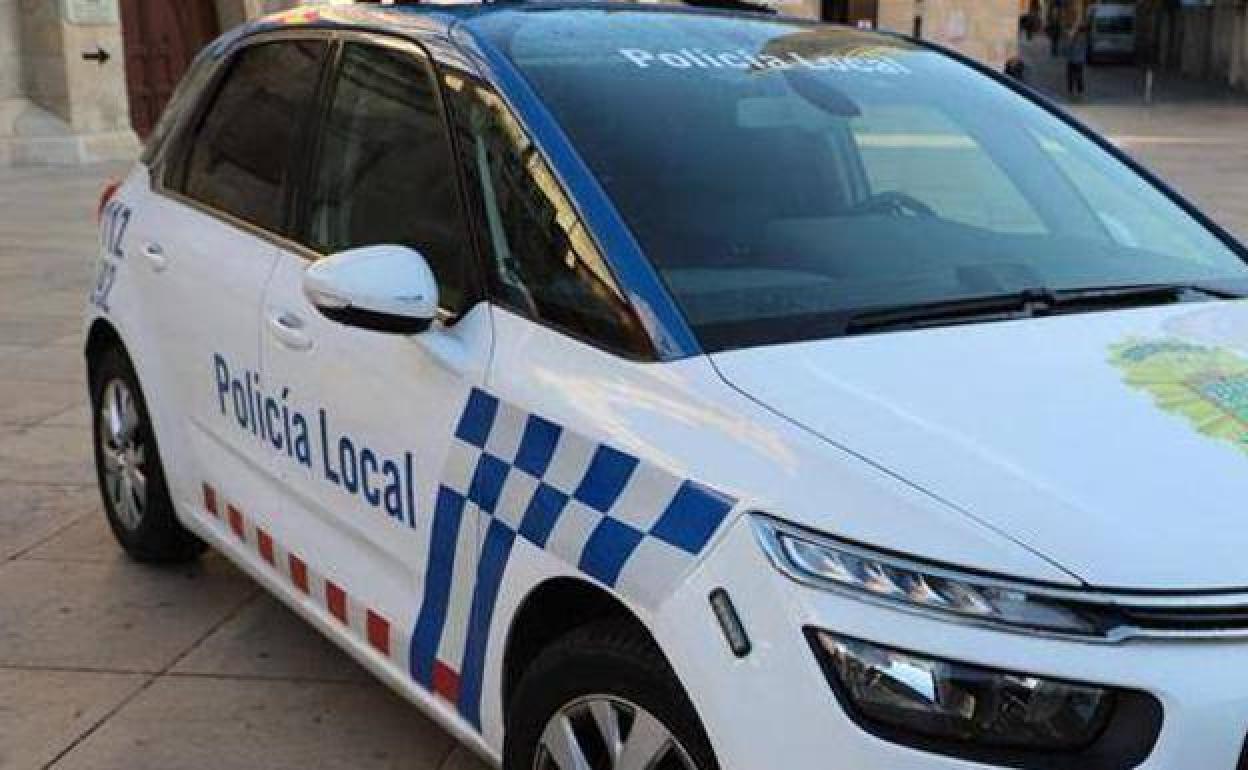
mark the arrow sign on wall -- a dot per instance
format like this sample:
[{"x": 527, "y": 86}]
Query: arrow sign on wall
[{"x": 99, "y": 55}]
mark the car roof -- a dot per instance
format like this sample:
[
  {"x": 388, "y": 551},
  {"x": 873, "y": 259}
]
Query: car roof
[{"x": 440, "y": 16}]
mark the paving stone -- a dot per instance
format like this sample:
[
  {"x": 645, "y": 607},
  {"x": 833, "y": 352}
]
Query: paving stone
[
  {"x": 26, "y": 331},
  {"x": 42, "y": 713},
  {"x": 64, "y": 302},
  {"x": 462, "y": 759},
  {"x": 50, "y": 454},
  {"x": 76, "y": 416},
  {"x": 116, "y": 617},
  {"x": 26, "y": 403},
  {"x": 30, "y": 513},
  {"x": 267, "y": 640},
  {"x": 75, "y": 340},
  {"x": 45, "y": 364},
  {"x": 86, "y": 539},
  {"x": 192, "y": 723}
]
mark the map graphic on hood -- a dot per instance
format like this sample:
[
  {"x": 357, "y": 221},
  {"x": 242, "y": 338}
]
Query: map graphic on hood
[{"x": 1207, "y": 385}]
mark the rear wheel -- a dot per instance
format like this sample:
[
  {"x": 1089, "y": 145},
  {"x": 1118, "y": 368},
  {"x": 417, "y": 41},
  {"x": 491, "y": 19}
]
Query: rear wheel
[
  {"x": 603, "y": 698},
  {"x": 127, "y": 462}
]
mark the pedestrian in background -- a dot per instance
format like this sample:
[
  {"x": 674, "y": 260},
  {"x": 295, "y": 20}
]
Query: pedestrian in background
[
  {"x": 1077, "y": 61},
  {"x": 1054, "y": 30},
  {"x": 1027, "y": 23}
]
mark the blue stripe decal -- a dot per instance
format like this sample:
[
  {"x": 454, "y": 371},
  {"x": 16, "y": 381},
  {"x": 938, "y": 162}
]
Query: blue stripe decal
[
  {"x": 448, "y": 516},
  {"x": 606, "y": 478},
  {"x": 504, "y": 495},
  {"x": 494, "y": 556},
  {"x": 478, "y": 418},
  {"x": 609, "y": 547},
  {"x": 692, "y": 517}
]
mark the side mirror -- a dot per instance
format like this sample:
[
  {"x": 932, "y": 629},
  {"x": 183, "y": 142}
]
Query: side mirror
[{"x": 385, "y": 288}]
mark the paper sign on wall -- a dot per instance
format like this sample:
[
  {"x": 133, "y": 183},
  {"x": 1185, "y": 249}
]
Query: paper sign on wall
[{"x": 90, "y": 12}]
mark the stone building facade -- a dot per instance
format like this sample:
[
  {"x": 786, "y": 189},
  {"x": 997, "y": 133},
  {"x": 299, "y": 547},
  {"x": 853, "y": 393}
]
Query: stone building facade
[
  {"x": 1207, "y": 39},
  {"x": 64, "y": 97},
  {"x": 986, "y": 30},
  {"x": 55, "y": 105}
]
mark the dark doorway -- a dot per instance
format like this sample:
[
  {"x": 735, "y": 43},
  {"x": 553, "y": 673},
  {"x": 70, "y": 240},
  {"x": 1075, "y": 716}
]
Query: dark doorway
[
  {"x": 161, "y": 38},
  {"x": 852, "y": 12}
]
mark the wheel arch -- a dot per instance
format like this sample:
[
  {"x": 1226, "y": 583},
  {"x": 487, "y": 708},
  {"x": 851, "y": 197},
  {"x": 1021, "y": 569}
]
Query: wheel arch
[
  {"x": 102, "y": 336},
  {"x": 550, "y": 611}
]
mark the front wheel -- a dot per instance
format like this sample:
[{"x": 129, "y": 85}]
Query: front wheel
[
  {"x": 603, "y": 698},
  {"x": 132, "y": 481}
]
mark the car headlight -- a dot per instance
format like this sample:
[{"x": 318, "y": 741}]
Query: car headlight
[
  {"x": 909, "y": 584},
  {"x": 949, "y": 701}
]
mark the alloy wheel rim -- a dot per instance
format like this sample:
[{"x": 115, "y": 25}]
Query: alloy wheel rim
[
  {"x": 123, "y": 454},
  {"x": 602, "y": 732}
]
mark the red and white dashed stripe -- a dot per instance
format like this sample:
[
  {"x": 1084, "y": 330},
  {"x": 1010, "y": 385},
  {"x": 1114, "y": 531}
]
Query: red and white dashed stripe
[{"x": 365, "y": 622}]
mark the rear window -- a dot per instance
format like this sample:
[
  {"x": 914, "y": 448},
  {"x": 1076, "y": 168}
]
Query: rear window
[
  {"x": 781, "y": 175},
  {"x": 242, "y": 151},
  {"x": 1115, "y": 25}
]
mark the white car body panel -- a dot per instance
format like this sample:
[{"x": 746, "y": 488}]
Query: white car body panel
[{"x": 1030, "y": 428}]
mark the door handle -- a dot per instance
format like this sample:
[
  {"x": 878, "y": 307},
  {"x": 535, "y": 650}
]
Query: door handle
[
  {"x": 156, "y": 255},
  {"x": 288, "y": 329}
]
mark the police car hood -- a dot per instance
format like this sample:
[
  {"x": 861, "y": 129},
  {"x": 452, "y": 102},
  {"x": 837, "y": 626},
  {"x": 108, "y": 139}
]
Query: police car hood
[{"x": 1114, "y": 444}]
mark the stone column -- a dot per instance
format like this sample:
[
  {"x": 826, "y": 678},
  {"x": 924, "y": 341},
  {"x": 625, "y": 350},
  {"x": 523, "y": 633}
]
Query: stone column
[
  {"x": 75, "y": 110},
  {"x": 1237, "y": 68},
  {"x": 10, "y": 51}
]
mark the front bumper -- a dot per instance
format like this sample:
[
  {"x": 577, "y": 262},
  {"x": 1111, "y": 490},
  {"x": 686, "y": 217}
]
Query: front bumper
[{"x": 775, "y": 709}]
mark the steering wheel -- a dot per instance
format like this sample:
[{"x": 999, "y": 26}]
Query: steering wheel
[{"x": 893, "y": 202}]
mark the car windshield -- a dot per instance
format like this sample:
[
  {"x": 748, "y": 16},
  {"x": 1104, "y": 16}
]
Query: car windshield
[{"x": 778, "y": 173}]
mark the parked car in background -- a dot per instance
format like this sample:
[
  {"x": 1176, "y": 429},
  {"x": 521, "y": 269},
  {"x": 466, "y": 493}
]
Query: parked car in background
[{"x": 1111, "y": 33}]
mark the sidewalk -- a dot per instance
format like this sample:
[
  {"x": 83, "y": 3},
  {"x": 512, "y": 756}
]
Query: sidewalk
[{"x": 1121, "y": 84}]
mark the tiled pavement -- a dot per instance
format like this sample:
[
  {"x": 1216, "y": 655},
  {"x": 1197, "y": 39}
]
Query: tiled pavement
[{"x": 106, "y": 664}]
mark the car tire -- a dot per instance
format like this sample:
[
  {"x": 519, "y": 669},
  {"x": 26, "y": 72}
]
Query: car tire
[
  {"x": 604, "y": 672},
  {"x": 128, "y": 469}
]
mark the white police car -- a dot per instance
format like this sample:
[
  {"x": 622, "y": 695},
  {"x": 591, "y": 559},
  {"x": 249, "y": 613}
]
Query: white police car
[{"x": 638, "y": 387}]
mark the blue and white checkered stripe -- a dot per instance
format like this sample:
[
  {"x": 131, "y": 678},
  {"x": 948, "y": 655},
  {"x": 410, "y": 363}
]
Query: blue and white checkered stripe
[{"x": 626, "y": 523}]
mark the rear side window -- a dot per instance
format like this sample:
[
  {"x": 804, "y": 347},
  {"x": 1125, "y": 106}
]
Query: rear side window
[
  {"x": 241, "y": 152},
  {"x": 184, "y": 98},
  {"x": 543, "y": 262},
  {"x": 385, "y": 172}
]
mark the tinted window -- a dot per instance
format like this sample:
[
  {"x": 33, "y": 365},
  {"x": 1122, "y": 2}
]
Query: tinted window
[
  {"x": 784, "y": 176},
  {"x": 979, "y": 195},
  {"x": 386, "y": 173},
  {"x": 543, "y": 262},
  {"x": 241, "y": 155},
  {"x": 183, "y": 99}
]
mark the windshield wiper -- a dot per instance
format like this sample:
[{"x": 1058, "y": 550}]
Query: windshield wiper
[{"x": 1028, "y": 303}]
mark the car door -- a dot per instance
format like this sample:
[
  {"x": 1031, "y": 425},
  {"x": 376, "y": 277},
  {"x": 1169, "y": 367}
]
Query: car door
[
  {"x": 207, "y": 242},
  {"x": 363, "y": 514}
]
